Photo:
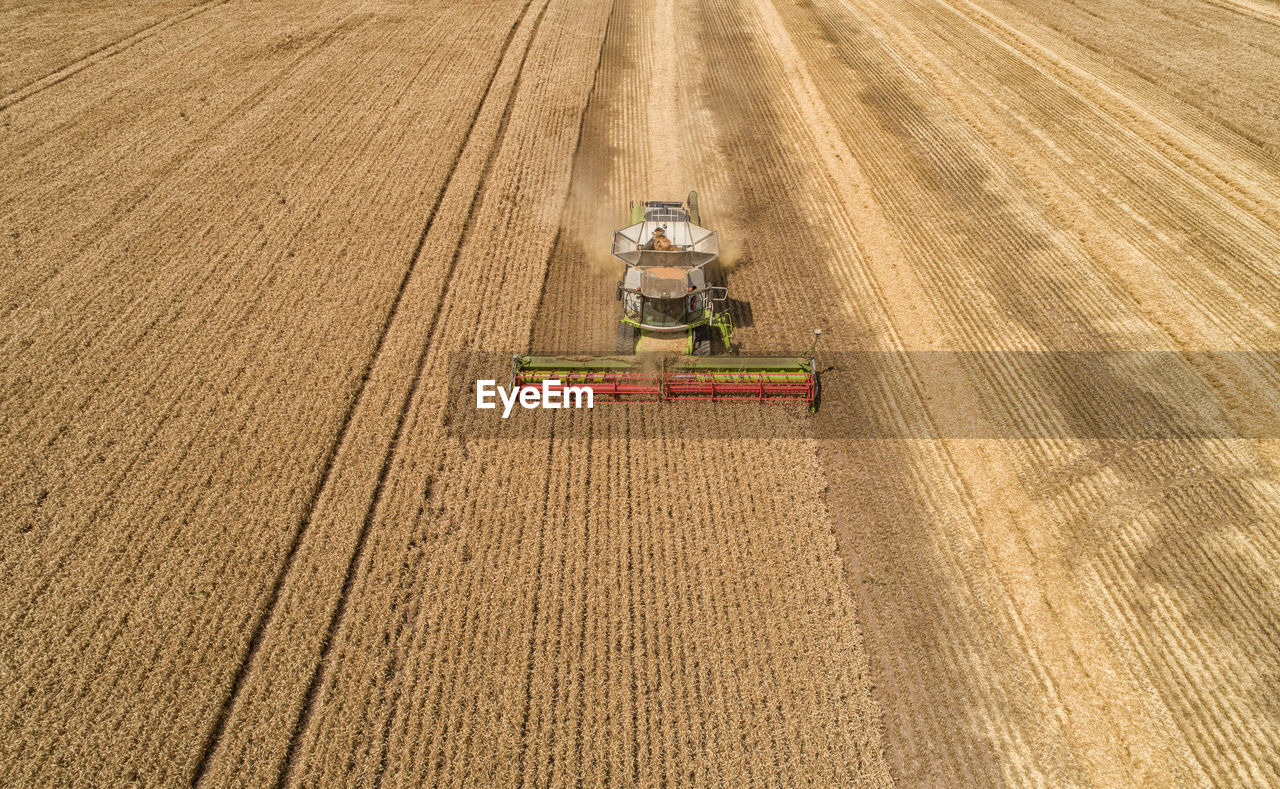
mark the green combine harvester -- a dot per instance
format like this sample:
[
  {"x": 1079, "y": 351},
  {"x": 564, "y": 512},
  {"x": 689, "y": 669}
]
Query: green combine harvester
[{"x": 670, "y": 318}]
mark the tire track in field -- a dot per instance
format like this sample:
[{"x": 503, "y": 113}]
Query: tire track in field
[
  {"x": 907, "y": 496},
  {"x": 1213, "y": 169},
  {"x": 1214, "y": 58},
  {"x": 1117, "y": 206},
  {"x": 1189, "y": 137},
  {"x": 91, "y": 350},
  {"x": 246, "y": 309},
  {"x": 461, "y": 733},
  {"x": 981, "y": 466},
  {"x": 1223, "y": 476},
  {"x": 216, "y": 733},
  {"x": 100, "y": 336},
  {"x": 357, "y": 555},
  {"x": 1250, "y": 10},
  {"x": 151, "y": 524},
  {"x": 99, "y": 55},
  {"x": 1133, "y": 186},
  {"x": 171, "y": 371}
]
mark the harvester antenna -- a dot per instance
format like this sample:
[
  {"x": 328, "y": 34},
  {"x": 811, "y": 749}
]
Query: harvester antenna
[{"x": 817, "y": 334}]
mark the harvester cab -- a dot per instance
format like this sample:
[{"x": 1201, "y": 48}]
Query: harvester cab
[
  {"x": 664, "y": 291},
  {"x": 668, "y": 307}
]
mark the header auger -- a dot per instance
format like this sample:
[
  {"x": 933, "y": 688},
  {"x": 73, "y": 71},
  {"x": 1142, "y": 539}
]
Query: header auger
[{"x": 669, "y": 307}]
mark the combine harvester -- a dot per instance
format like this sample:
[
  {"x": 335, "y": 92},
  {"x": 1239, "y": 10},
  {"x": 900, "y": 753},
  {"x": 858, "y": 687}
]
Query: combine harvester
[{"x": 668, "y": 306}]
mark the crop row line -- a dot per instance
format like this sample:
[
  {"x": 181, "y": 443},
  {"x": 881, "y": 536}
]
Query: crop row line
[
  {"x": 331, "y": 455},
  {"x": 100, "y": 54},
  {"x": 358, "y": 553}
]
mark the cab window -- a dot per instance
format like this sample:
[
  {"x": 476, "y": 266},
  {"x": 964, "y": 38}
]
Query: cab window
[{"x": 664, "y": 312}]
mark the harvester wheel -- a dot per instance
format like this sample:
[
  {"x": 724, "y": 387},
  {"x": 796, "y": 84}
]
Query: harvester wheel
[
  {"x": 702, "y": 341},
  {"x": 626, "y": 338}
]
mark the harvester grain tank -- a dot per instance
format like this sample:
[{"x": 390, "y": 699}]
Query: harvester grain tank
[
  {"x": 664, "y": 290},
  {"x": 671, "y": 315}
]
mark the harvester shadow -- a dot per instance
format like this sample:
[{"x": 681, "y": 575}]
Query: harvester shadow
[
  {"x": 817, "y": 393},
  {"x": 718, "y": 276},
  {"x": 741, "y": 312}
]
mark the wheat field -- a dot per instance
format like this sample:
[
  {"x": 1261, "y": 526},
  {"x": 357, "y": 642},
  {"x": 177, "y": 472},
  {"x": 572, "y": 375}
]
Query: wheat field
[{"x": 248, "y": 538}]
